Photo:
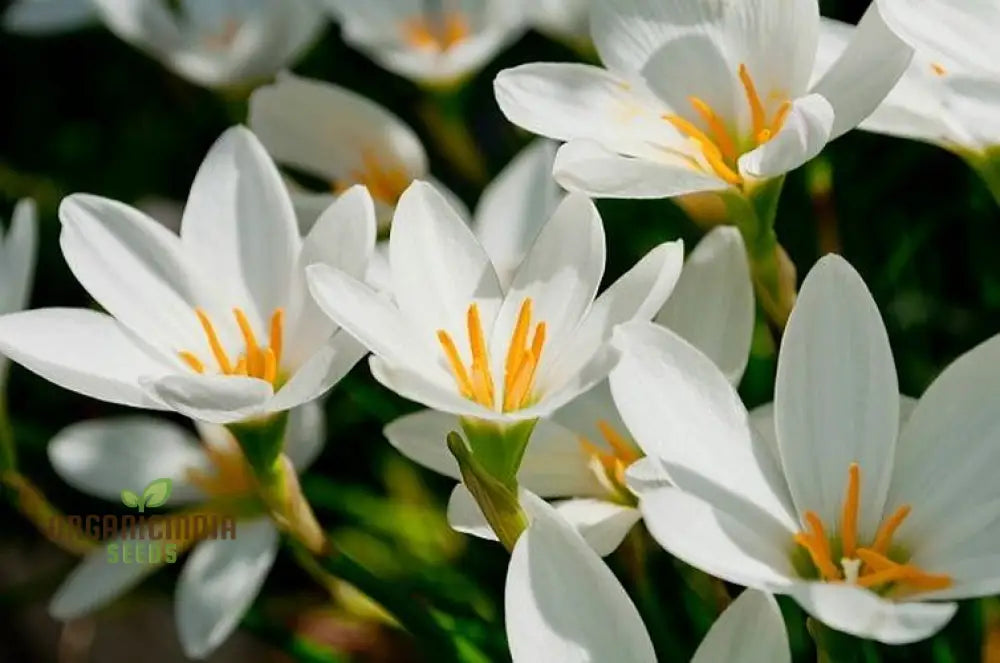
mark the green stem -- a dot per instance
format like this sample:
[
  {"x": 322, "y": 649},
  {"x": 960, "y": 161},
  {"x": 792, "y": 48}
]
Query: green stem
[
  {"x": 411, "y": 613},
  {"x": 8, "y": 452},
  {"x": 27, "y": 499},
  {"x": 833, "y": 646}
]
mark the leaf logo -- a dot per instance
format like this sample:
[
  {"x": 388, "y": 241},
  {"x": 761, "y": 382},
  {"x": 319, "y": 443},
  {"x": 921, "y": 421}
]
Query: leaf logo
[{"x": 155, "y": 494}]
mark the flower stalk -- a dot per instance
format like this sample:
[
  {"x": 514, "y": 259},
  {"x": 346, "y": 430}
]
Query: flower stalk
[
  {"x": 833, "y": 646},
  {"x": 987, "y": 165}
]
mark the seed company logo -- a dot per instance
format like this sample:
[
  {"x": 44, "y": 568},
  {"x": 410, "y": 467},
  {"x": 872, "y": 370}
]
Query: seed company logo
[{"x": 145, "y": 538}]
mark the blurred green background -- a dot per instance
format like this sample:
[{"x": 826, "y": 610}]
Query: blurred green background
[{"x": 85, "y": 112}]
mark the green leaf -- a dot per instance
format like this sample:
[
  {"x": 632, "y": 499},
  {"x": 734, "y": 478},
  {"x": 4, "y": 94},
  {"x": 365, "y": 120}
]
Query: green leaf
[
  {"x": 157, "y": 492},
  {"x": 130, "y": 499}
]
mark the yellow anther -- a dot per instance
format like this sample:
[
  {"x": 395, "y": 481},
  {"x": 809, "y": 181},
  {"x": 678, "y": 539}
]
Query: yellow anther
[
  {"x": 482, "y": 379},
  {"x": 213, "y": 341},
  {"x": 849, "y": 515},
  {"x": 518, "y": 341},
  {"x": 718, "y": 128},
  {"x": 241, "y": 366},
  {"x": 779, "y": 118},
  {"x": 758, "y": 116},
  {"x": 277, "y": 337},
  {"x": 192, "y": 361},
  {"x": 270, "y": 366},
  {"x": 437, "y": 33},
  {"x": 938, "y": 69},
  {"x": 883, "y": 538},
  {"x": 384, "y": 181},
  {"x": 622, "y": 448},
  {"x": 713, "y": 155},
  {"x": 455, "y": 362},
  {"x": 254, "y": 362}
]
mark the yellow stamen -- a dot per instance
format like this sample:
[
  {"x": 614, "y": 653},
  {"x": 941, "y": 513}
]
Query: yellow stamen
[
  {"x": 822, "y": 545},
  {"x": 192, "y": 361},
  {"x": 849, "y": 515},
  {"x": 277, "y": 337},
  {"x": 241, "y": 366},
  {"x": 779, "y": 119},
  {"x": 384, "y": 181},
  {"x": 689, "y": 129},
  {"x": 270, "y": 369},
  {"x": 517, "y": 342},
  {"x": 455, "y": 361},
  {"x": 621, "y": 446},
  {"x": 254, "y": 363},
  {"x": 757, "y": 114},
  {"x": 938, "y": 69},
  {"x": 875, "y": 560},
  {"x": 436, "y": 33},
  {"x": 883, "y": 538},
  {"x": 482, "y": 380},
  {"x": 213, "y": 341},
  {"x": 718, "y": 128},
  {"x": 819, "y": 554}
]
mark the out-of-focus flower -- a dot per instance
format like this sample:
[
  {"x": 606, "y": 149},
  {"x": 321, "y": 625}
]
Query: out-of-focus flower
[
  {"x": 835, "y": 510},
  {"x": 222, "y": 576},
  {"x": 18, "y": 252},
  {"x": 434, "y": 42},
  {"x": 583, "y": 451},
  {"x": 42, "y": 17},
  {"x": 963, "y": 32},
  {"x": 225, "y": 43},
  {"x": 339, "y": 137},
  {"x": 563, "y": 605},
  {"x": 565, "y": 19},
  {"x": 699, "y": 96},
  {"x": 454, "y": 339},
  {"x": 216, "y": 323}
]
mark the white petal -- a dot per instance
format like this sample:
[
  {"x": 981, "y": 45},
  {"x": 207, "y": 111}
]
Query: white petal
[
  {"x": 602, "y": 524},
  {"x": 19, "y": 252},
  {"x": 858, "y": 82},
  {"x": 713, "y": 307},
  {"x": 465, "y": 516},
  {"x": 239, "y": 225},
  {"x": 95, "y": 582},
  {"x": 80, "y": 350},
  {"x": 134, "y": 267},
  {"x": 646, "y": 474},
  {"x": 306, "y": 434},
  {"x": 43, "y": 17},
  {"x": 725, "y": 545},
  {"x": 588, "y": 167},
  {"x": 836, "y": 396},
  {"x": 804, "y": 135},
  {"x": 865, "y": 614},
  {"x": 961, "y": 31},
  {"x": 320, "y": 373},
  {"x": 751, "y": 630},
  {"x": 435, "y": 394},
  {"x": 563, "y": 604},
  {"x": 219, "y": 582},
  {"x": 103, "y": 457},
  {"x": 328, "y": 131},
  {"x": 582, "y": 414},
  {"x": 145, "y": 23},
  {"x": 217, "y": 399},
  {"x": 681, "y": 408},
  {"x": 949, "y": 445},
  {"x": 514, "y": 207}
]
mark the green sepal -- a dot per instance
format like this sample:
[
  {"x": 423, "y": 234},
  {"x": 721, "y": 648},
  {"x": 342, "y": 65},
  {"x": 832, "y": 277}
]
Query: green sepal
[
  {"x": 497, "y": 500},
  {"x": 499, "y": 446},
  {"x": 262, "y": 441}
]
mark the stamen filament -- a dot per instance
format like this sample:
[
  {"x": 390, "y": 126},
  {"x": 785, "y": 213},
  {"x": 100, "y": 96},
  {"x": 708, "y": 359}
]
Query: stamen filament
[
  {"x": 270, "y": 365},
  {"x": 277, "y": 337},
  {"x": 192, "y": 361},
  {"x": 883, "y": 538},
  {"x": 620, "y": 445},
  {"x": 757, "y": 113},
  {"x": 254, "y": 361},
  {"x": 455, "y": 361},
  {"x": 875, "y": 560},
  {"x": 849, "y": 515},
  {"x": 482, "y": 380},
  {"x": 213, "y": 341},
  {"x": 722, "y": 138}
]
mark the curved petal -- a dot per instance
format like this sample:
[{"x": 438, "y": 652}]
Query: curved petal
[
  {"x": 681, "y": 408},
  {"x": 306, "y": 434},
  {"x": 712, "y": 306},
  {"x": 804, "y": 135},
  {"x": 95, "y": 582},
  {"x": 864, "y": 614},
  {"x": 83, "y": 351},
  {"x": 588, "y": 167},
  {"x": 44, "y": 17},
  {"x": 646, "y": 474},
  {"x": 105, "y": 456},
  {"x": 240, "y": 227},
  {"x": 869, "y": 68},
  {"x": 416, "y": 386},
  {"x": 147, "y": 24},
  {"x": 320, "y": 373},
  {"x": 219, "y": 582},
  {"x": 216, "y": 399},
  {"x": 836, "y": 396},
  {"x": 329, "y": 131},
  {"x": 564, "y": 605},
  {"x": 19, "y": 250},
  {"x": 751, "y": 630},
  {"x": 515, "y": 206},
  {"x": 602, "y": 524}
]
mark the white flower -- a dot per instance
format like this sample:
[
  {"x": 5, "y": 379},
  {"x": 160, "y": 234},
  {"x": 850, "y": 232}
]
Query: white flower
[
  {"x": 221, "y": 577},
  {"x": 870, "y": 536},
  {"x": 563, "y": 605},
  {"x": 432, "y": 43},
  {"x": 583, "y": 450},
  {"x": 216, "y": 323},
  {"x": 18, "y": 251},
  {"x": 217, "y": 44},
  {"x": 453, "y": 338},
  {"x": 42, "y": 17},
  {"x": 568, "y": 19},
  {"x": 702, "y": 95},
  {"x": 339, "y": 137},
  {"x": 938, "y": 100},
  {"x": 959, "y": 31}
]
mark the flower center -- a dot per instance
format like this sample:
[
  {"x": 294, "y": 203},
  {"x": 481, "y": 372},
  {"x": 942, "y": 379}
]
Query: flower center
[
  {"x": 231, "y": 477},
  {"x": 476, "y": 381},
  {"x": 716, "y": 144},
  {"x": 255, "y": 361},
  {"x": 436, "y": 31},
  {"x": 609, "y": 467},
  {"x": 385, "y": 181},
  {"x": 866, "y": 566}
]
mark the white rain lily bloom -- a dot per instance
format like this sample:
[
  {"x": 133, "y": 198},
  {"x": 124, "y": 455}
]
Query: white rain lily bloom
[
  {"x": 222, "y": 577},
  {"x": 450, "y": 336},
  {"x": 583, "y": 451},
  {"x": 699, "y": 95},
  {"x": 434, "y": 42},
  {"x": 43, "y": 17},
  {"x": 563, "y": 605},
  {"x": 835, "y": 512},
  {"x": 962, "y": 31},
  {"x": 340, "y": 137},
  {"x": 18, "y": 252},
  {"x": 216, "y": 323},
  {"x": 223, "y": 43},
  {"x": 566, "y": 19},
  {"x": 938, "y": 100}
]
